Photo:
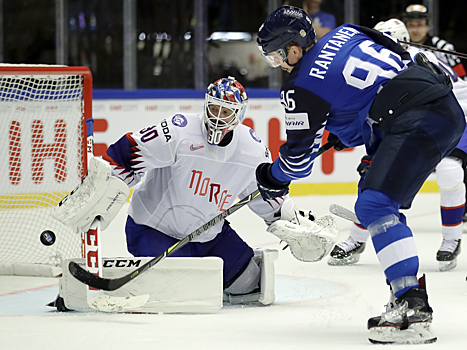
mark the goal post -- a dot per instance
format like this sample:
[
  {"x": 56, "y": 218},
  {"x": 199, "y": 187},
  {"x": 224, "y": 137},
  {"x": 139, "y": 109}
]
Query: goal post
[{"x": 43, "y": 150}]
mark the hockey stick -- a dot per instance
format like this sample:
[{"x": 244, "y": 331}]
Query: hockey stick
[
  {"x": 431, "y": 48},
  {"x": 99, "y": 301},
  {"x": 344, "y": 213},
  {"x": 111, "y": 284}
]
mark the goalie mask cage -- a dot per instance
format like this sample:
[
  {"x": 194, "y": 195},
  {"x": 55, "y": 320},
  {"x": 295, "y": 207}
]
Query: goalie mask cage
[{"x": 43, "y": 111}]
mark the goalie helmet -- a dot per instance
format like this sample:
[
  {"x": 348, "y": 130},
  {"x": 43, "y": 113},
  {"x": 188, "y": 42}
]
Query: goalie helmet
[
  {"x": 224, "y": 108},
  {"x": 394, "y": 28},
  {"x": 416, "y": 11},
  {"x": 285, "y": 25}
]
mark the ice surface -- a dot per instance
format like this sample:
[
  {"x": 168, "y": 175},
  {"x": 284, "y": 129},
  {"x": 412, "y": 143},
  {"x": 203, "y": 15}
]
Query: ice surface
[{"x": 317, "y": 306}]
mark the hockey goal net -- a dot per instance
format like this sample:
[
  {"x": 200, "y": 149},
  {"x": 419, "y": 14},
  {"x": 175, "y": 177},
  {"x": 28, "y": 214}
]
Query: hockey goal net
[{"x": 43, "y": 111}]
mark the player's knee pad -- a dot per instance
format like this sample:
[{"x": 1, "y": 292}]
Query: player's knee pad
[
  {"x": 265, "y": 285},
  {"x": 450, "y": 175},
  {"x": 373, "y": 205}
]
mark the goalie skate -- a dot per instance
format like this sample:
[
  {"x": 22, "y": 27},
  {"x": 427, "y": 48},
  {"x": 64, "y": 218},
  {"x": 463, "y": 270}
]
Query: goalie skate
[{"x": 407, "y": 320}]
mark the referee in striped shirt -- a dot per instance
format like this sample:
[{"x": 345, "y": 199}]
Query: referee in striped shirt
[{"x": 417, "y": 21}]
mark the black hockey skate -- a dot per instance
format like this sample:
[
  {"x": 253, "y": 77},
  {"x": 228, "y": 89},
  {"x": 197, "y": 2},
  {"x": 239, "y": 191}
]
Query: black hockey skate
[
  {"x": 447, "y": 254},
  {"x": 407, "y": 319},
  {"x": 346, "y": 252},
  {"x": 59, "y": 303}
]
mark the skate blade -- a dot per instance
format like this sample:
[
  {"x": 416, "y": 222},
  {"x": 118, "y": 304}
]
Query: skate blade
[
  {"x": 107, "y": 303},
  {"x": 416, "y": 333},
  {"x": 447, "y": 265},
  {"x": 350, "y": 260}
]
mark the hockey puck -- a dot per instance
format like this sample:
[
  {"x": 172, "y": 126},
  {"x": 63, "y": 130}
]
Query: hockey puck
[{"x": 47, "y": 237}]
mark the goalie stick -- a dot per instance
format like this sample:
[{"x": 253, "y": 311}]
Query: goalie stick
[{"x": 111, "y": 284}]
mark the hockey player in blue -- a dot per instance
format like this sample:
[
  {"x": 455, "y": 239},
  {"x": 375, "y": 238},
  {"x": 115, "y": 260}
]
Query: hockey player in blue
[{"x": 363, "y": 87}]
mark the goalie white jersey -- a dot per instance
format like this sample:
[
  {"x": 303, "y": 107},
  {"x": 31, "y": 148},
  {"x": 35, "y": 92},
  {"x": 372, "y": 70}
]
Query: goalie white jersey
[{"x": 187, "y": 181}]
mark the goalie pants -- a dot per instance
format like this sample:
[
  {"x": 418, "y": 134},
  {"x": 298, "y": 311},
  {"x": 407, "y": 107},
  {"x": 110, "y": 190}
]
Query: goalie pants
[{"x": 145, "y": 241}]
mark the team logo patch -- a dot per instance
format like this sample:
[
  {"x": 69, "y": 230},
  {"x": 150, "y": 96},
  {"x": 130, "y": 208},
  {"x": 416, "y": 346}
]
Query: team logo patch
[
  {"x": 254, "y": 136},
  {"x": 179, "y": 120},
  {"x": 296, "y": 121}
]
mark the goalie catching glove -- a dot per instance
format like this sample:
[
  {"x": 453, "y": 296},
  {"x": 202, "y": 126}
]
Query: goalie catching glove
[
  {"x": 309, "y": 240},
  {"x": 99, "y": 195}
]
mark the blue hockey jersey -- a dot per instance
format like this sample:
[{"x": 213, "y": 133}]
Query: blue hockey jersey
[{"x": 332, "y": 87}]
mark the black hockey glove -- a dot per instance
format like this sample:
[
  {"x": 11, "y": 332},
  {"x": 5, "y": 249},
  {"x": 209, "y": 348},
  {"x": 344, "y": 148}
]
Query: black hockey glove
[
  {"x": 364, "y": 165},
  {"x": 268, "y": 185},
  {"x": 337, "y": 144}
]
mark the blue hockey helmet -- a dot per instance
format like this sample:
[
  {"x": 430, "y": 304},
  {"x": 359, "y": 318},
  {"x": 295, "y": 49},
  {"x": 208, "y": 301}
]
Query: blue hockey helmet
[
  {"x": 225, "y": 105},
  {"x": 285, "y": 25}
]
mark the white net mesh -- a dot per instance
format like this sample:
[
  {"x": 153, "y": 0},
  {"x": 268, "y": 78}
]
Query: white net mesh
[{"x": 42, "y": 160}]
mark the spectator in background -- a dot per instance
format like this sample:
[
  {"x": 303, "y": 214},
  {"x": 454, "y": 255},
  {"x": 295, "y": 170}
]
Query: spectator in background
[
  {"x": 417, "y": 20},
  {"x": 323, "y": 22}
]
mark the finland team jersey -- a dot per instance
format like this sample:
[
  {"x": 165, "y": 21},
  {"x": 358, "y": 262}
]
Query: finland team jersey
[
  {"x": 187, "y": 181},
  {"x": 332, "y": 88}
]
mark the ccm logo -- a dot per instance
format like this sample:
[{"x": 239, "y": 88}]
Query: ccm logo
[{"x": 122, "y": 263}]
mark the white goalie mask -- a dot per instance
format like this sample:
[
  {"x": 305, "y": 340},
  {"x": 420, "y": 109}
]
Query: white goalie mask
[
  {"x": 224, "y": 108},
  {"x": 394, "y": 28}
]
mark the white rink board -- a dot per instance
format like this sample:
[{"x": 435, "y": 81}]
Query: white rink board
[{"x": 122, "y": 116}]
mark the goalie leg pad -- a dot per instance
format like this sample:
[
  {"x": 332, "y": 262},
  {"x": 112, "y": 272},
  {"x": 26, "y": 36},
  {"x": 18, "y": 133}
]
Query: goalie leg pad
[
  {"x": 247, "y": 281},
  {"x": 267, "y": 282},
  {"x": 265, "y": 294},
  {"x": 174, "y": 285},
  {"x": 99, "y": 194}
]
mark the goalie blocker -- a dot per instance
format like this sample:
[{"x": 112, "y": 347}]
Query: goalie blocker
[{"x": 175, "y": 285}]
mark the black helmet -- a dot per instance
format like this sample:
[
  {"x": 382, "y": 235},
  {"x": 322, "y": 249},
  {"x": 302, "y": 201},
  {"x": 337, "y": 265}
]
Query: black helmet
[
  {"x": 416, "y": 11},
  {"x": 285, "y": 25}
]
